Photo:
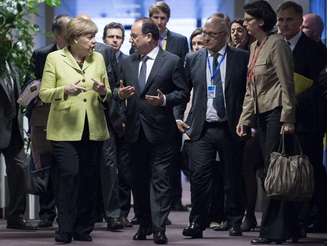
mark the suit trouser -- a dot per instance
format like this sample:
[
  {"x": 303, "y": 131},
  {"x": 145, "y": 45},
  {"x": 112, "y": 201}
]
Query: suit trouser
[
  {"x": 14, "y": 157},
  {"x": 279, "y": 217},
  {"x": 152, "y": 174},
  {"x": 43, "y": 158},
  {"x": 216, "y": 137},
  {"x": 77, "y": 163}
]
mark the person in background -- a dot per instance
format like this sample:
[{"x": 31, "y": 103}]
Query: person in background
[
  {"x": 309, "y": 61},
  {"x": 75, "y": 83},
  {"x": 239, "y": 38},
  {"x": 121, "y": 179},
  {"x": 270, "y": 97},
  {"x": 196, "y": 39},
  {"x": 41, "y": 147},
  {"x": 312, "y": 26},
  {"x": 252, "y": 157}
]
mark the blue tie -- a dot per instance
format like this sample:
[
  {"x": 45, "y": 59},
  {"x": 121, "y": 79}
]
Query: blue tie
[
  {"x": 142, "y": 74},
  {"x": 218, "y": 101}
]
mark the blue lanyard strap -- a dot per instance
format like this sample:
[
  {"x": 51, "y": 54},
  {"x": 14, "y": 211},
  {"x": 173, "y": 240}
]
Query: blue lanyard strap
[{"x": 217, "y": 70}]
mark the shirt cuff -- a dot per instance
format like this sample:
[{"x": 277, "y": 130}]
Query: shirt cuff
[{"x": 164, "y": 101}]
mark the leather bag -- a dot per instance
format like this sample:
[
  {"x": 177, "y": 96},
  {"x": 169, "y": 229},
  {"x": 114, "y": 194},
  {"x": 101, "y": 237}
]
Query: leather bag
[{"x": 289, "y": 177}]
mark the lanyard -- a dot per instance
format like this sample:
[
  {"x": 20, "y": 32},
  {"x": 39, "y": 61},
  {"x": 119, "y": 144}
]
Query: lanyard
[{"x": 217, "y": 70}]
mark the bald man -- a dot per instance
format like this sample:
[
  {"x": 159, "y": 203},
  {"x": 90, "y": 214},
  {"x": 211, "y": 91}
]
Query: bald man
[{"x": 313, "y": 26}]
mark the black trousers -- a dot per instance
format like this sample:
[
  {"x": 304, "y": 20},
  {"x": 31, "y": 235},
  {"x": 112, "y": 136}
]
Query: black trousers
[
  {"x": 77, "y": 164},
  {"x": 14, "y": 157},
  {"x": 152, "y": 174},
  {"x": 216, "y": 137},
  {"x": 279, "y": 217}
]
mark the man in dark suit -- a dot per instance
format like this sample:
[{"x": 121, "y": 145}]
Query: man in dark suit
[
  {"x": 309, "y": 61},
  {"x": 153, "y": 84},
  {"x": 217, "y": 75},
  {"x": 41, "y": 147},
  {"x": 12, "y": 147},
  {"x": 177, "y": 44}
]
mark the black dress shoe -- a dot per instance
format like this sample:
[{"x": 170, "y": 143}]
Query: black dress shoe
[
  {"x": 21, "y": 224},
  {"x": 45, "y": 223},
  {"x": 82, "y": 237},
  {"x": 160, "y": 237},
  {"x": 142, "y": 233},
  {"x": 168, "y": 221},
  {"x": 235, "y": 231},
  {"x": 114, "y": 224},
  {"x": 63, "y": 237},
  {"x": 262, "y": 240},
  {"x": 248, "y": 224},
  {"x": 125, "y": 222},
  {"x": 193, "y": 231}
]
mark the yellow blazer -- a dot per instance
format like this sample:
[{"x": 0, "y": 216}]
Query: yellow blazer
[{"x": 67, "y": 115}]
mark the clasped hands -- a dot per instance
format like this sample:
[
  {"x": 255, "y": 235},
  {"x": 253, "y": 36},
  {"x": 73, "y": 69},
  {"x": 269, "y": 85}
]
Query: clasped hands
[
  {"x": 126, "y": 91},
  {"x": 75, "y": 88}
]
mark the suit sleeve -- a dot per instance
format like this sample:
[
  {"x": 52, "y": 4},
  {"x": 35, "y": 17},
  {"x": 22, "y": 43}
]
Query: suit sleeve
[
  {"x": 180, "y": 95},
  {"x": 282, "y": 61},
  {"x": 48, "y": 90}
]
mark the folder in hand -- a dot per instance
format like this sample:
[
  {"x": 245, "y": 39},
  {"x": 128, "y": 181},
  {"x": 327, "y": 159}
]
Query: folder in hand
[
  {"x": 30, "y": 92},
  {"x": 301, "y": 83}
]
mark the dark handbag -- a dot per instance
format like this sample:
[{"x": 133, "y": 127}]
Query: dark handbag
[
  {"x": 289, "y": 177},
  {"x": 35, "y": 180}
]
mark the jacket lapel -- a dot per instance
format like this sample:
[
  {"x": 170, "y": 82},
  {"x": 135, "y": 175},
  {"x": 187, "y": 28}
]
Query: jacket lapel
[{"x": 69, "y": 59}]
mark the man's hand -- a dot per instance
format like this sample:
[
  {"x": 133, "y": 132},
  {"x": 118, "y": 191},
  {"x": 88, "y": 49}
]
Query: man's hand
[
  {"x": 182, "y": 126},
  {"x": 99, "y": 87},
  {"x": 73, "y": 89},
  {"x": 125, "y": 91},
  {"x": 287, "y": 128},
  {"x": 155, "y": 100}
]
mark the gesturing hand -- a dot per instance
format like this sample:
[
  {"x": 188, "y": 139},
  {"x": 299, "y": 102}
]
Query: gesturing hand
[
  {"x": 99, "y": 87},
  {"x": 125, "y": 91},
  {"x": 155, "y": 100},
  {"x": 73, "y": 89}
]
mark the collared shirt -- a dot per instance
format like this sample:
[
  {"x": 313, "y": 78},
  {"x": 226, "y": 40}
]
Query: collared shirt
[
  {"x": 293, "y": 41},
  {"x": 211, "y": 114},
  {"x": 150, "y": 61},
  {"x": 163, "y": 39}
]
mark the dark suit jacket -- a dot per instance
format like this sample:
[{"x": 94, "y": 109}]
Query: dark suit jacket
[
  {"x": 235, "y": 84},
  {"x": 39, "y": 111},
  {"x": 158, "y": 123},
  {"x": 10, "y": 124},
  {"x": 115, "y": 109},
  {"x": 309, "y": 60}
]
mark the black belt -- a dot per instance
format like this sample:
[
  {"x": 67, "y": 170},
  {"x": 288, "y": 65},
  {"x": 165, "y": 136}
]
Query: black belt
[{"x": 216, "y": 124}]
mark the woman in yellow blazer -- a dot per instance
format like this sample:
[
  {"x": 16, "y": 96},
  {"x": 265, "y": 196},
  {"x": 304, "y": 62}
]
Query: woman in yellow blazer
[
  {"x": 270, "y": 97},
  {"x": 75, "y": 83}
]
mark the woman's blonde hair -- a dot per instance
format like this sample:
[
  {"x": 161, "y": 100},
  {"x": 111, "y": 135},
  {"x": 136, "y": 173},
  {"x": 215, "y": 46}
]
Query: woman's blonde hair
[{"x": 79, "y": 26}]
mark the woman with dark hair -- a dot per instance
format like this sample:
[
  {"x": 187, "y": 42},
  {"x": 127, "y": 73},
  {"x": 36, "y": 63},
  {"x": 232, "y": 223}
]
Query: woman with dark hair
[
  {"x": 270, "y": 96},
  {"x": 239, "y": 38},
  {"x": 196, "y": 39}
]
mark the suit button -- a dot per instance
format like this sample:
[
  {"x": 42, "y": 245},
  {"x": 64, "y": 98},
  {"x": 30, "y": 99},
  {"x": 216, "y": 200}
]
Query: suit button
[
  {"x": 83, "y": 80},
  {"x": 84, "y": 100}
]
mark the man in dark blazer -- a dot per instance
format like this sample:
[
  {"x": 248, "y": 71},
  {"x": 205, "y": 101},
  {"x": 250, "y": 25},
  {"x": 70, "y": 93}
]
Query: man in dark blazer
[
  {"x": 177, "y": 44},
  {"x": 217, "y": 75},
  {"x": 153, "y": 84},
  {"x": 41, "y": 147},
  {"x": 12, "y": 147},
  {"x": 309, "y": 61}
]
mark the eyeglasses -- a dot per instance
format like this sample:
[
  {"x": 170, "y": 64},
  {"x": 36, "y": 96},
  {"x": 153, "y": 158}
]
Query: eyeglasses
[
  {"x": 213, "y": 34},
  {"x": 135, "y": 35},
  {"x": 249, "y": 19}
]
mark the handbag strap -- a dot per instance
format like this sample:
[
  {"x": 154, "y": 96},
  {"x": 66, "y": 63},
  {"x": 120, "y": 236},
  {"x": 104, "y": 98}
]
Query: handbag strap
[{"x": 281, "y": 148}]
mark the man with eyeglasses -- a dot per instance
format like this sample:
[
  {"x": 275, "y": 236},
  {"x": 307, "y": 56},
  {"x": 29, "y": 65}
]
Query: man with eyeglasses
[
  {"x": 217, "y": 75},
  {"x": 152, "y": 83}
]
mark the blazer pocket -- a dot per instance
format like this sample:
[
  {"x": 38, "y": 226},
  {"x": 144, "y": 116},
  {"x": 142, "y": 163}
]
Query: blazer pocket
[
  {"x": 62, "y": 106},
  {"x": 260, "y": 67}
]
